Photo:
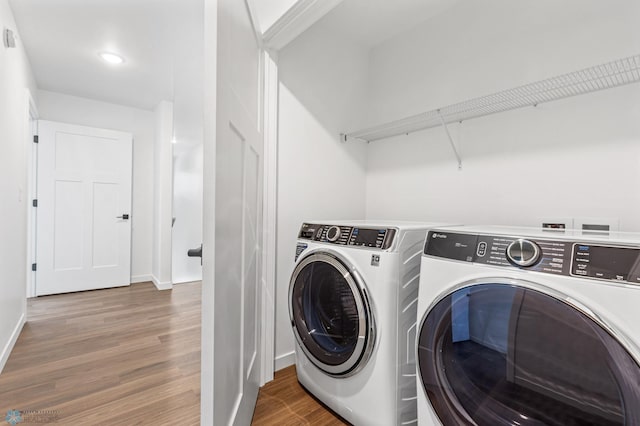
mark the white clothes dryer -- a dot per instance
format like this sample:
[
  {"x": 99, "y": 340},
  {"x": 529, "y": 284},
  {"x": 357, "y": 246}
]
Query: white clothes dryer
[
  {"x": 352, "y": 303},
  {"x": 521, "y": 326}
]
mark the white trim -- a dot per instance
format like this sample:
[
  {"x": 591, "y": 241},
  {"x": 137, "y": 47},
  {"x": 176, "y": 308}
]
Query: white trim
[
  {"x": 141, "y": 279},
  {"x": 269, "y": 217},
  {"x": 6, "y": 351},
  {"x": 285, "y": 360},
  {"x": 297, "y": 19},
  {"x": 30, "y": 193},
  {"x": 185, "y": 281},
  {"x": 167, "y": 285}
]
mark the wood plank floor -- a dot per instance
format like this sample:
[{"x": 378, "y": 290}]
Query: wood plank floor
[
  {"x": 284, "y": 402},
  {"x": 128, "y": 355}
]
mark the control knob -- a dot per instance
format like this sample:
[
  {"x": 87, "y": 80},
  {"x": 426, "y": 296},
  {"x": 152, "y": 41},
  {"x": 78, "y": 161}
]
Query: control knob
[
  {"x": 523, "y": 253},
  {"x": 333, "y": 233}
]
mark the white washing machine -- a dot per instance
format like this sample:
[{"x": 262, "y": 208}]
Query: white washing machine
[
  {"x": 352, "y": 302},
  {"x": 526, "y": 327}
]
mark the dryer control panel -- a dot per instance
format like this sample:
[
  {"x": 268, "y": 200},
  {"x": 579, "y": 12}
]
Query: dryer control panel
[
  {"x": 606, "y": 262},
  {"x": 596, "y": 261},
  {"x": 346, "y": 235}
]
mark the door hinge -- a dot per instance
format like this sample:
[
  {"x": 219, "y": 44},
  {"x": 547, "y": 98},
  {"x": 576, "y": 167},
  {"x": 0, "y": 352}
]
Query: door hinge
[
  {"x": 35, "y": 138},
  {"x": 34, "y": 203},
  {"x": 34, "y": 267}
]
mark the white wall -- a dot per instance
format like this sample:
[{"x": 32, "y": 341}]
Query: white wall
[
  {"x": 188, "y": 89},
  {"x": 88, "y": 112},
  {"x": 477, "y": 48},
  {"x": 572, "y": 158},
  {"x": 187, "y": 209},
  {"x": 15, "y": 78},
  {"x": 321, "y": 93},
  {"x": 162, "y": 195},
  {"x": 575, "y": 158}
]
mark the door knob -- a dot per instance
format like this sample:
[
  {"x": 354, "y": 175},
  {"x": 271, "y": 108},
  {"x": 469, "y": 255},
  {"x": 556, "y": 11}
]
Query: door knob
[
  {"x": 196, "y": 252},
  {"x": 123, "y": 217}
]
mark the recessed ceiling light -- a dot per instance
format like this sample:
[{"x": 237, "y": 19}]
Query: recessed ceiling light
[
  {"x": 174, "y": 140},
  {"x": 111, "y": 58}
]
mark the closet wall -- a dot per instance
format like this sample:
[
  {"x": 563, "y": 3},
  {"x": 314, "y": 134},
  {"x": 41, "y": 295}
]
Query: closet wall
[
  {"x": 577, "y": 157},
  {"x": 322, "y": 91}
]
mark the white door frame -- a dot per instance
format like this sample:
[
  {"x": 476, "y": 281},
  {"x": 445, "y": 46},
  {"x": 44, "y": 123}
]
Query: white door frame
[
  {"x": 302, "y": 15},
  {"x": 269, "y": 245},
  {"x": 31, "y": 151},
  {"x": 269, "y": 125}
]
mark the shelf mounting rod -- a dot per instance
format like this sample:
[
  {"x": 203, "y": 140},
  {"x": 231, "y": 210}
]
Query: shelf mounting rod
[{"x": 453, "y": 145}]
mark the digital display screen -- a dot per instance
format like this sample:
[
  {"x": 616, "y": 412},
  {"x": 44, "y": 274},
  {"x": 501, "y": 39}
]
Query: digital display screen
[
  {"x": 614, "y": 263},
  {"x": 367, "y": 237}
]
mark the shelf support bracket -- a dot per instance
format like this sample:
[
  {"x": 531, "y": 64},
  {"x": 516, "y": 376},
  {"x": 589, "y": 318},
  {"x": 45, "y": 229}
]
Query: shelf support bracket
[
  {"x": 453, "y": 145},
  {"x": 345, "y": 138}
]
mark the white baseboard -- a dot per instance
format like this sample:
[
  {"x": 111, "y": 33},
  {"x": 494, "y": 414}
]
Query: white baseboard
[
  {"x": 184, "y": 280},
  {"x": 167, "y": 285},
  {"x": 6, "y": 351},
  {"x": 285, "y": 360},
  {"x": 140, "y": 279}
]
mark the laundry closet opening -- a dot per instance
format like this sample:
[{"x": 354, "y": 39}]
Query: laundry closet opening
[{"x": 366, "y": 64}]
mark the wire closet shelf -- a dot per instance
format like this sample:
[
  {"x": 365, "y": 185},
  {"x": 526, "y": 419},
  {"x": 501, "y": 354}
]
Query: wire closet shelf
[{"x": 600, "y": 77}]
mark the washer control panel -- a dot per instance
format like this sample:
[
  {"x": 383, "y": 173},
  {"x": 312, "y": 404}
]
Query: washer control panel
[
  {"x": 379, "y": 238},
  {"x": 578, "y": 259}
]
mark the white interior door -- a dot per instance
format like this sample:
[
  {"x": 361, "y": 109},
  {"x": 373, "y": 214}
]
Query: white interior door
[
  {"x": 232, "y": 217},
  {"x": 84, "y": 207}
]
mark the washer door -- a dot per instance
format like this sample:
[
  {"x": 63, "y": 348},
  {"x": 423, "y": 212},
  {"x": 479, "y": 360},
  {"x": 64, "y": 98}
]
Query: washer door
[
  {"x": 330, "y": 314},
  {"x": 514, "y": 353}
]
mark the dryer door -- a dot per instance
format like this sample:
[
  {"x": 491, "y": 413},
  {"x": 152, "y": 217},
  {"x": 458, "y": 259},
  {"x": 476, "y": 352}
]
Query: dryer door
[
  {"x": 330, "y": 314},
  {"x": 514, "y": 353}
]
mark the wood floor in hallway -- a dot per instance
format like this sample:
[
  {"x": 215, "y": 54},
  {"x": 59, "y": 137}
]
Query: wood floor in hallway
[{"x": 127, "y": 356}]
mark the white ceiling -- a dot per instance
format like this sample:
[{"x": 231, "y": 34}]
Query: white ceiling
[
  {"x": 162, "y": 42},
  {"x": 371, "y": 22},
  {"x": 63, "y": 38}
]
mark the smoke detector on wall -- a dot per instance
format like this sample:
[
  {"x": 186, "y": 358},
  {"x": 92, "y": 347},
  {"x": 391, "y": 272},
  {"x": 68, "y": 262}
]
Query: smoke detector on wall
[{"x": 9, "y": 38}]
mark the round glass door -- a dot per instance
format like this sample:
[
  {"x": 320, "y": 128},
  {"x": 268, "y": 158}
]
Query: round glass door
[
  {"x": 504, "y": 354},
  {"x": 330, "y": 314}
]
